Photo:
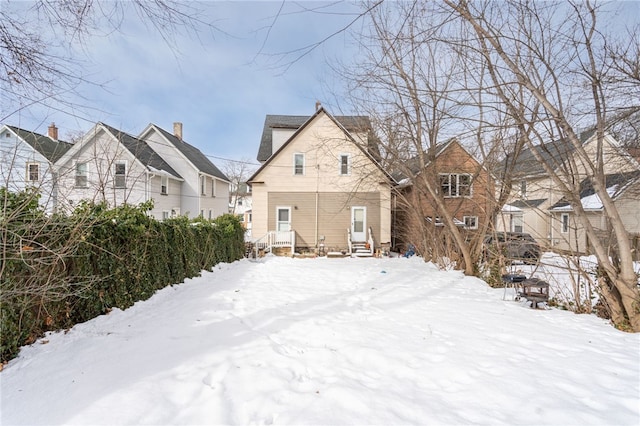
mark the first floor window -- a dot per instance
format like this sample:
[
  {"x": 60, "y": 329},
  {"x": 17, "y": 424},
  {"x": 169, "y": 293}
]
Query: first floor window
[
  {"x": 210, "y": 214},
  {"x": 33, "y": 172},
  {"x": 81, "y": 175},
  {"x": 121, "y": 175},
  {"x": 471, "y": 222},
  {"x": 564, "y": 219},
  {"x": 298, "y": 164},
  {"x": 516, "y": 223},
  {"x": 164, "y": 185},
  {"x": 455, "y": 185},
  {"x": 165, "y": 215}
]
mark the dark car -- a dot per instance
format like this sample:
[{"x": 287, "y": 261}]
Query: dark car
[{"x": 514, "y": 246}]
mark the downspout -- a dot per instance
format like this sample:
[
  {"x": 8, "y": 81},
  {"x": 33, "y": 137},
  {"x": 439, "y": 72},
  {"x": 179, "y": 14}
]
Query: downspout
[
  {"x": 147, "y": 190},
  {"x": 317, "y": 196}
]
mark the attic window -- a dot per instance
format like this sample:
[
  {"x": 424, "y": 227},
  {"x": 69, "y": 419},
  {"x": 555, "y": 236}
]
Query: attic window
[
  {"x": 121, "y": 175},
  {"x": 81, "y": 175}
]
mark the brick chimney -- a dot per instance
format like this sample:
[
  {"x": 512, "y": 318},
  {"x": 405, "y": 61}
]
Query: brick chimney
[
  {"x": 53, "y": 131},
  {"x": 177, "y": 130}
]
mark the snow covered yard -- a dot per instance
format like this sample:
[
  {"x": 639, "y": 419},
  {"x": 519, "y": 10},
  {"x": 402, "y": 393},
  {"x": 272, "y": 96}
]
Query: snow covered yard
[{"x": 328, "y": 341}]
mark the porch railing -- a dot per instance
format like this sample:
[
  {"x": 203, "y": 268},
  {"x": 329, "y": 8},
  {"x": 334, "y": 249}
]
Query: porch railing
[{"x": 276, "y": 239}]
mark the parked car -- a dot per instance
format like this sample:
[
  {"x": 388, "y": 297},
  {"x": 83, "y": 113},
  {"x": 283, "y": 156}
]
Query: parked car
[{"x": 514, "y": 246}]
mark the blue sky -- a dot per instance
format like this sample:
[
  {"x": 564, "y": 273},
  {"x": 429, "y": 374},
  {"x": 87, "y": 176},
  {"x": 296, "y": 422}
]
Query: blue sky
[{"x": 219, "y": 83}]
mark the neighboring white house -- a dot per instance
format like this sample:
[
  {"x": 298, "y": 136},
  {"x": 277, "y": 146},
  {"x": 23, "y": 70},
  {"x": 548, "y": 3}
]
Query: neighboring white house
[
  {"x": 240, "y": 204},
  {"x": 26, "y": 160},
  {"x": 567, "y": 232},
  {"x": 205, "y": 189},
  {"x": 108, "y": 165}
]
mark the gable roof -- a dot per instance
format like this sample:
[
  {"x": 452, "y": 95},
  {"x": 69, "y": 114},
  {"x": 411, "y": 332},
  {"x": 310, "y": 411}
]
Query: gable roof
[
  {"x": 553, "y": 153},
  {"x": 413, "y": 164},
  {"x": 141, "y": 150},
  {"x": 356, "y": 120},
  {"x": 193, "y": 154},
  {"x": 51, "y": 149},
  {"x": 616, "y": 183},
  {"x": 351, "y": 123}
]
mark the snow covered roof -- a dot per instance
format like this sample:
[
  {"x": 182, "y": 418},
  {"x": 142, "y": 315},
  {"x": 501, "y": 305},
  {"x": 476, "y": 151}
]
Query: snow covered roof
[
  {"x": 616, "y": 184},
  {"x": 508, "y": 208}
]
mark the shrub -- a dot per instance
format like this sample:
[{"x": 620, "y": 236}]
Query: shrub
[{"x": 61, "y": 270}]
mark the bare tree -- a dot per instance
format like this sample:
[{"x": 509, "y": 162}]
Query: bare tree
[
  {"x": 412, "y": 79},
  {"x": 238, "y": 172},
  {"x": 555, "y": 55},
  {"x": 40, "y": 41}
]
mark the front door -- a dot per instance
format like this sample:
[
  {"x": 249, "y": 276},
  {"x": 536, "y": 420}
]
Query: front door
[{"x": 358, "y": 223}]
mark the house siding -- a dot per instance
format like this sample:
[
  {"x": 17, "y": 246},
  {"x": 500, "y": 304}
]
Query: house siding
[
  {"x": 332, "y": 216},
  {"x": 14, "y": 156},
  {"x": 454, "y": 159},
  {"x": 322, "y": 142},
  {"x": 101, "y": 151},
  {"x": 192, "y": 201}
]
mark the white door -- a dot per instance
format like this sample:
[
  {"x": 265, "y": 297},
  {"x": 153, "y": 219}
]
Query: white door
[
  {"x": 283, "y": 219},
  {"x": 358, "y": 223}
]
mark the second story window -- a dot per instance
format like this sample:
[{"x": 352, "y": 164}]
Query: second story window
[
  {"x": 298, "y": 164},
  {"x": 523, "y": 189},
  {"x": 455, "y": 185},
  {"x": 121, "y": 175},
  {"x": 213, "y": 187},
  {"x": 81, "y": 175},
  {"x": 564, "y": 221},
  {"x": 33, "y": 172},
  {"x": 164, "y": 185},
  {"x": 345, "y": 166},
  {"x": 203, "y": 185}
]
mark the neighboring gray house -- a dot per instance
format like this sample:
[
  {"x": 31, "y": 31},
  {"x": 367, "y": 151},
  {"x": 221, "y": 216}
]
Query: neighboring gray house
[
  {"x": 26, "y": 160},
  {"x": 205, "y": 189},
  {"x": 108, "y": 165}
]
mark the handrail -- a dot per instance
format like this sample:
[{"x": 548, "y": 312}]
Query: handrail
[
  {"x": 349, "y": 240},
  {"x": 276, "y": 239}
]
